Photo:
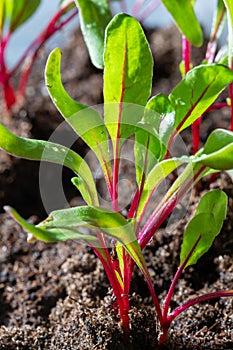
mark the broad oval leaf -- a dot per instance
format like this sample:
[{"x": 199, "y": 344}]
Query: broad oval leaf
[
  {"x": 127, "y": 67},
  {"x": 204, "y": 226},
  {"x": 94, "y": 17},
  {"x": 197, "y": 91},
  {"x": 183, "y": 13},
  {"x": 50, "y": 152}
]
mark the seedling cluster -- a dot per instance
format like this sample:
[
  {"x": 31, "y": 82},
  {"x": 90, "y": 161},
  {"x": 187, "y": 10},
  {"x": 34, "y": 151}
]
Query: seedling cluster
[{"x": 153, "y": 123}]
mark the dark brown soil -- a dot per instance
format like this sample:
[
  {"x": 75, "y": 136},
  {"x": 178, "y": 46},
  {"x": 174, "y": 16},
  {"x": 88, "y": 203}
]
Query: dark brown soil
[{"x": 56, "y": 296}]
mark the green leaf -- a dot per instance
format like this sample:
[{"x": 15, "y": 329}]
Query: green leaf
[
  {"x": 219, "y": 21},
  {"x": 153, "y": 133},
  {"x": 159, "y": 172},
  {"x": 53, "y": 235},
  {"x": 128, "y": 67},
  {"x": 197, "y": 91},
  {"x": 183, "y": 13},
  {"x": 65, "y": 3},
  {"x": 229, "y": 7},
  {"x": 206, "y": 224},
  {"x": 19, "y": 11},
  {"x": 214, "y": 202},
  {"x": 105, "y": 220},
  {"x": 51, "y": 152},
  {"x": 94, "y": 17},
  {"x": 80, "y": 185},
  {"x": 218, "y": 150},
  {"x": 2, "y": 15},
  {"x": 85, "y": 121}
]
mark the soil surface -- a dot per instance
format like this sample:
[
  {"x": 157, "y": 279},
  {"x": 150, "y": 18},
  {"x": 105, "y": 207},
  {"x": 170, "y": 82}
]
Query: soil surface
[{"x": 56, "y": 296}]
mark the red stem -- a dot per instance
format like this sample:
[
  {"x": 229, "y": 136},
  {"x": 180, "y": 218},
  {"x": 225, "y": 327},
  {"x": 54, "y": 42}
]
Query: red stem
[
  {"x": 186, "y": 53},
  {"x": 121, "y": 298},
  {"x": 196, "y": 135},
  {"x": 8, "y": 90},
  {"x": 161, "y": 213},
  {"x": 176, "y": 278},
  {"x": 51, "y": 29},
  {"x": 217, "y": 106},
  {"x": 138, "y": 194},
  {"x": 117, "y": 148},
  {"x": 199, "y": 299}
]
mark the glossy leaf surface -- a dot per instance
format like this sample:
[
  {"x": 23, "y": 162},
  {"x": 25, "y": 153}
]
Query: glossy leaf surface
[
  {"x": 206, "y": 224},
  {"x": 94, "y": 17},
  {"x": 183, "y": 13},
  {"x": 85, "y": 121},
  {"x": 53, "y": 235},
  {"x": 128, "y": 68},
  {"x": 105, "y": 220},
  {"x": 218, "y": 150},
  {"x": 197, "y": 91},
  {"x": 159, "y": 172},
  {"x": 50, "y": 152},
  {"x": 152, "y": 134}
]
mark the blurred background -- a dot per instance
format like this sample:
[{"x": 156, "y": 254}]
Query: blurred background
[{"x": 158, "y": 18}]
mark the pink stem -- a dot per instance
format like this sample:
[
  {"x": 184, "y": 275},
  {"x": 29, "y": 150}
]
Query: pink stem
[
  {"x": 51, "y": 28},
  {"x": 40, "y": 42},
  {"x": 231, "y": 99},
  {"x": 8, "y": 90},
  {"x": 136, "y": 8},
  {"x": 196, "y": 134},
  {"x": 186, "y": 53},
  {"x": 176, "y": 278},
  {"x": 217, "y": 106},
  {"x": 122, "y": 299},
  {"x": 161, "y": 213},
  {"x": 199, "y": 299},
  {"x": 152, "y": 6}
]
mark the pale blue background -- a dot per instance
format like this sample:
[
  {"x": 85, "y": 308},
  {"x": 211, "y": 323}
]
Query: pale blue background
[{"x": 24, "y": 36}]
